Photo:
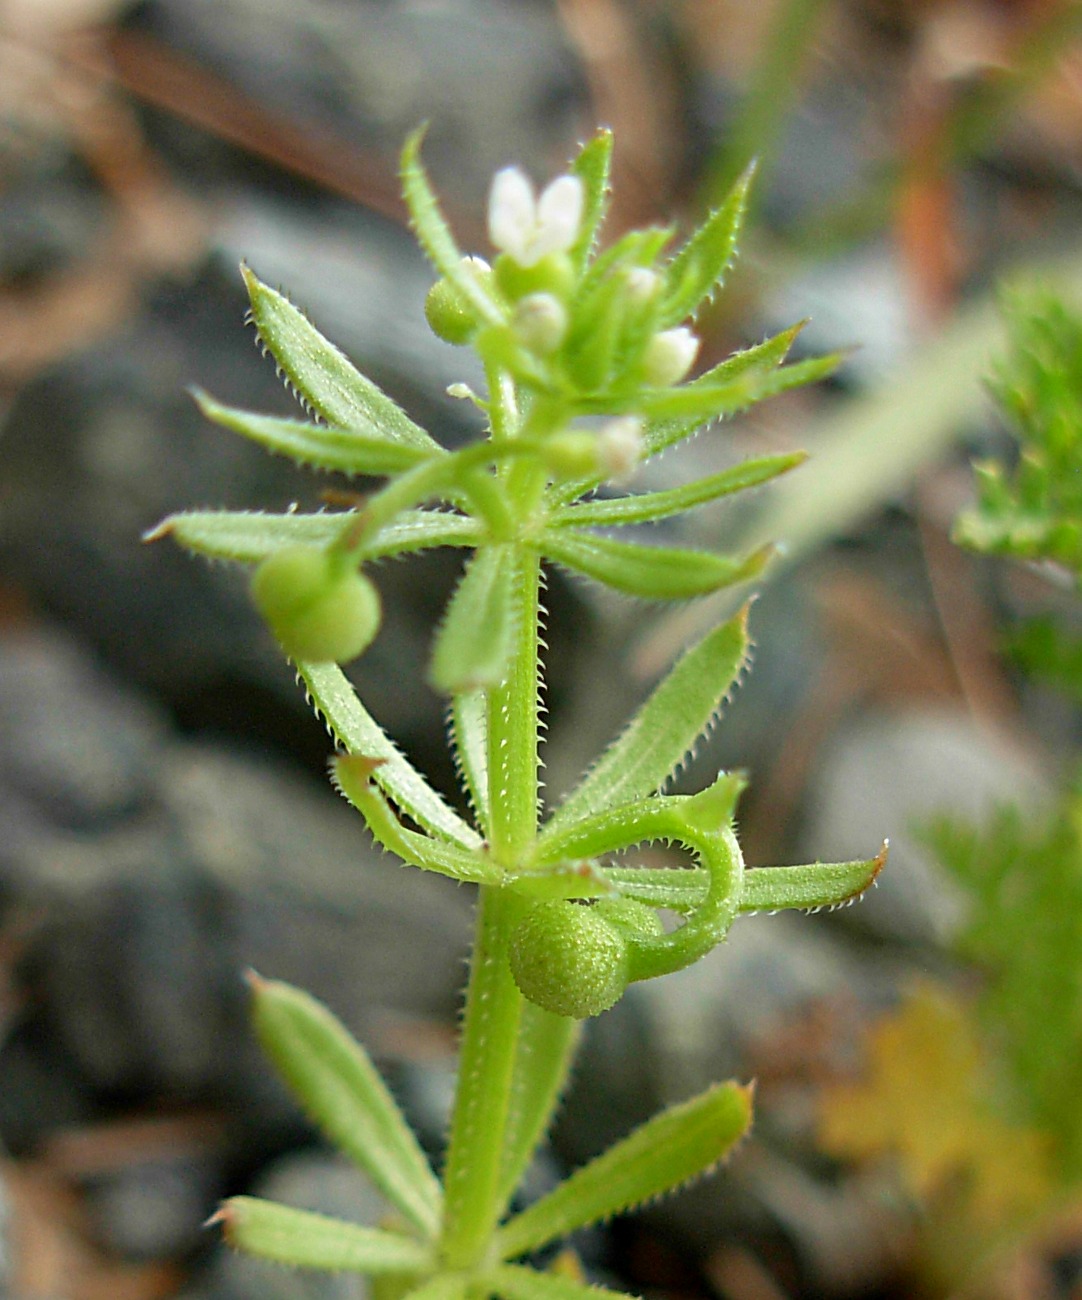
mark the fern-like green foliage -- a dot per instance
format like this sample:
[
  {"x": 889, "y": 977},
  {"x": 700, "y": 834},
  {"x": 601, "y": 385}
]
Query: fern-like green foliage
[
  {"x": 1033, "y": 510},
  {"x": 976, "y": 1099},
  {"x": 1023, "y": 878}
]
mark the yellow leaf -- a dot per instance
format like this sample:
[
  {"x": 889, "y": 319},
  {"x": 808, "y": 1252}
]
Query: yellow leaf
[{"x": 925, "y": 1101}]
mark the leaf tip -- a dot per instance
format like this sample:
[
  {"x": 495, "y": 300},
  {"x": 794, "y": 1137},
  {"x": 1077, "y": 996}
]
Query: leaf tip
[
  {"x": 224, "y": 1216},
  {"x": 352, "y": 771},
  {"x": 159, "y": 530}
]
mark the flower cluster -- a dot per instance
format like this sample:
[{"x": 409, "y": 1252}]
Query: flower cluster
[{"x": 584, "y": 336}]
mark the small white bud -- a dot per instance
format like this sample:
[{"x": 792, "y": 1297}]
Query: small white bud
[
  {"x": 540, "y": 322},
  {"x": 619, "y": 449},
  {"x": 669, "y": 356},
  {"x": 527, "y": 228},
  {"x": 642, "y": 284}
]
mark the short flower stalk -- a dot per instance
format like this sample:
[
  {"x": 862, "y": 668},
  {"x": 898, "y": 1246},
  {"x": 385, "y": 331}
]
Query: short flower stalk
[{"x": 586, "y": 355}]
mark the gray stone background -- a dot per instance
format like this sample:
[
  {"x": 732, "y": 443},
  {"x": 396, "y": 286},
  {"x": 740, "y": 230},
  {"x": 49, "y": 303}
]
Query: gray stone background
[{"x": 164, "y": 821}]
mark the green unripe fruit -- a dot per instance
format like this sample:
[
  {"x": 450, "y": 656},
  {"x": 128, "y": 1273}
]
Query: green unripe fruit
[
  {"x": 319, "y": 609},
  {"x": 568, "y": 959},
  {"x": 448, "y": 314},
  {"x": 633, "y": 919}
]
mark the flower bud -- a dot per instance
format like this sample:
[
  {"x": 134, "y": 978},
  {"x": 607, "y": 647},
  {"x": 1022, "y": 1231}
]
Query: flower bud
[
  {"x": 642, "y": 285},
  {"x": 568, "y": 959},
  {"x": 319, "y": 610},
  {"x": 669, "y": 356},
  {"x": 540, "y": 323},
  {"x": 619, "y": 449},
  {"x": 571, "y": 454}
]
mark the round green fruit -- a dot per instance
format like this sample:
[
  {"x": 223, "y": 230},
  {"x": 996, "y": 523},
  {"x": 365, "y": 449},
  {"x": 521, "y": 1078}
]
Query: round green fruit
[
  {"x": 320, "y": 611},
  {"x": 448, "y": 314},
  {"x": 568, "y": 959}
]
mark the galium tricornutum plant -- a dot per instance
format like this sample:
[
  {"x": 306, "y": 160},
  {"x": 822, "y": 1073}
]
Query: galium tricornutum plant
[{"x": 585, "y": 355}]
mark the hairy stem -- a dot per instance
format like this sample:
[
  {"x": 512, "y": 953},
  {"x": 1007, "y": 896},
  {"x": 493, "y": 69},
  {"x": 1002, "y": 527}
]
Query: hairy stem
[{"x": 475, "y": 1159}]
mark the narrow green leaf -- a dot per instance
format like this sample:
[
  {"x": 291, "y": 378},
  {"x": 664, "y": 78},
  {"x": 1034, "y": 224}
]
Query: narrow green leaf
[
  {"x": 582, "y": 879},
  {"x": 589, "y": 350},
  {"x": 543, "y": 1057},
  {"x": 434, "y": 234},
  {"x": 332, "y": 1077},
  {"x": 469, "y": 743},
  {"x": 352, "y": 775},
  {"x": 306, "y": 1240},
  {"x": 652, "y": 820},
  {"x": 766, "y": 889},
  {"x": 705, "y": 402},
  {"x": 661, "y": 818},
  {"x": 476, "y": 638},
  {"x": 667, "y": 1151},
  {"x": 322, "y": 377},
  {"x": 809, "y": 887},
  {"x": 760, "y": 359},
  {"x": 700, "y": 266},
  {"x": 648, "y": 507},
  {"x": 248, "y": 536},
  {"x": 513, "y": 1282},
  {"x": 421, "y": 530},
  {"x": 592, "y": 166},
  {"x": 639, "y": 248},
  {"x": 650, "y": 572},
  {"x": 333, "y": 697},
  {"x": 441, "y": 1286},
  {"x": 680, "y": 709},
  {"x": 356, "y": 450},
  {"x": 680, "y": 889}
]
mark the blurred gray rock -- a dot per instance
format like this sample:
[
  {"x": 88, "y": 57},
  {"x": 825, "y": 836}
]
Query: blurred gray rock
[
  {"x": 153, "y": 1208},
  {"x": 145, "y": 920},
  {"x": 498, "y": 82},
  {"x": 884, "y": 776}
]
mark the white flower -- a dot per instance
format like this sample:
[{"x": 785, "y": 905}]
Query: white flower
[
  {"x": 619, "y": 449},
  {"x": 669, "y": 356},
  {"x": 527, "y": 228}
]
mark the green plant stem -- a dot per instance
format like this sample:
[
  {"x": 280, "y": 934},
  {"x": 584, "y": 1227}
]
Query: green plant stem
[
  {"x": 485, "y": 1071},
  {"x": 475, "y": 1158}
]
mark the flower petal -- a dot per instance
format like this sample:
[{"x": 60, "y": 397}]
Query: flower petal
[
  {"x": 559, "y": 216},
  {"x": 512, "y": 213}
]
